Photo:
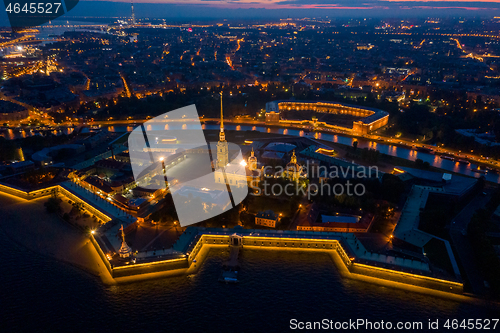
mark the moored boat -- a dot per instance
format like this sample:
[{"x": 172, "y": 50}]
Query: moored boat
[{"x": 462, "y": 161}]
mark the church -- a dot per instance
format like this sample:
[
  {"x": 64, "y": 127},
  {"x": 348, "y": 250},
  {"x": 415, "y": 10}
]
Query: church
[
  {"x": 293, "y": 170},
  {"x": 231, "y": 173}
]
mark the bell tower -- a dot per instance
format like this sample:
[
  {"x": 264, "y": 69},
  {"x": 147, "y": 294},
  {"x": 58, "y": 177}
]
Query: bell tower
[
  {"x": 222, "y": 149},
  {"x": 252, "y": 161}
]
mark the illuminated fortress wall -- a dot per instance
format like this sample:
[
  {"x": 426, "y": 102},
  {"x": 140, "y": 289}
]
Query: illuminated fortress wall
[
  {"x": 185, "y": 258},
  {"x": 370, "y": 119}
]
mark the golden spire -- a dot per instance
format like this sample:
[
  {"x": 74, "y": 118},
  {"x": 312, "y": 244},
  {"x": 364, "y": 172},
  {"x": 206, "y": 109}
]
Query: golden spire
[{"x": 222, "y": 137}]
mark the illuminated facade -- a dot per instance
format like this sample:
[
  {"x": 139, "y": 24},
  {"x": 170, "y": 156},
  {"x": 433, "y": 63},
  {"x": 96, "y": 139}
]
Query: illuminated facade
[
  {"x": 232, "y": 173},
  {"x": 222, "y": 147},
  {"x": 293, "y": 170},
  {"x": 125, "y": 251},
  {"x": 252, "y": 161},
  {"x": 370, "y": 119},
  {"x": 267, "y": 219}
]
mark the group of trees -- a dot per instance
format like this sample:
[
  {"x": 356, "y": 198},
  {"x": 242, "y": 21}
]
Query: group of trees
[
  {"x": 53, "y": 204},
  {"x": 387, "y": 192},
  {"x": 438, "y": 128},
  {"x": 366, "y": 154},
  {"x": 237, "y": 101}
]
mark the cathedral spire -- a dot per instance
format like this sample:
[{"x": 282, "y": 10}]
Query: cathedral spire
[
  {"x": 222, "y": 147},
  {"x": 132, "y": 11},
  {"x": 222, "y": 136}
]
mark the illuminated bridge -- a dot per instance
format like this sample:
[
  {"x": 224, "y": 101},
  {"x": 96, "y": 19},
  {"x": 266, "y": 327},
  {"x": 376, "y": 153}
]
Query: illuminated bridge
[{"x": 368, "y": 119}]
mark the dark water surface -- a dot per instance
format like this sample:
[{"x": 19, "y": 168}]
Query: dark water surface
[{"x": 42, "y": 294}]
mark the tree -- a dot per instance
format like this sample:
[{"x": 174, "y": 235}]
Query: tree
[
  {"x": 53, "y": 205},
  {"x": 392, "y": 188},
  {"x": 78, "y": 208}
]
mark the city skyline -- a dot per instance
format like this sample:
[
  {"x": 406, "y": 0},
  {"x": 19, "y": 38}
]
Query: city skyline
[
  {"x": 175, "y": 11},
  {"x": 196, "y": 174}
]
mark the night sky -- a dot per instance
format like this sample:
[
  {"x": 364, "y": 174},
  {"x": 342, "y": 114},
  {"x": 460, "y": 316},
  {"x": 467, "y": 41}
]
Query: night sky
[
  {"x": 178, "y": 10},
  {"x": 298, "y": 8}
]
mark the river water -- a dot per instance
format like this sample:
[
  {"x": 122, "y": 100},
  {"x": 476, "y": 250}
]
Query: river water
[
  {"x": 392, "y": 150},
  {"x": 44, "y": 295}
]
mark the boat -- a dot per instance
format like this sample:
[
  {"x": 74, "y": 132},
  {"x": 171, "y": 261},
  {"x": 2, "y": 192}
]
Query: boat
[
  {"x": 424, "y": 150},
  {"x": 229, "y": 274},
  {"x": 479, "y": 171},
  {"x": 462, "y": 161},
  {"x": 230, "y": 280},
  {"x": 446, "y": 157}
]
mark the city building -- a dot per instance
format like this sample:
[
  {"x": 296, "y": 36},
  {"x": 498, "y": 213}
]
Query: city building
[
  {"x": 21, "y": 166},
  {"x": 335, "y": 222},
  {"x": 11, "y": 111},
  {"x": 267, "y": 219},
  {"x": 368, "y": 119}
]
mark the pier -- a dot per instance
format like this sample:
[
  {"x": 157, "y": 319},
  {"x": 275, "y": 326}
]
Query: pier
[{"x": 230, "y": 270}]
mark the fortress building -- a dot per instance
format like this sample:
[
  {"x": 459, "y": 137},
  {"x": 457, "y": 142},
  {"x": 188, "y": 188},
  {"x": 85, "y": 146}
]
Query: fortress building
[{"x": 366, "y": 119}]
